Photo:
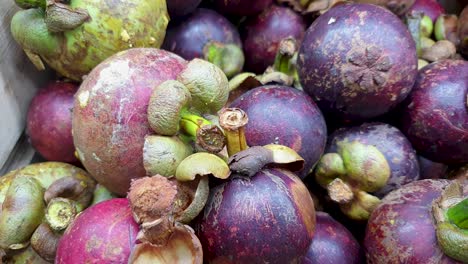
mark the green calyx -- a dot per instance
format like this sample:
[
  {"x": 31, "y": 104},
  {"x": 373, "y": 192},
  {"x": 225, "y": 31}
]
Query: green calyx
[
  {"x": 162, "y": 155},
  {"x": 202, "y": 164},
  {"x": 427, "y": 26},
  {"x": 351, "y": 174},
  {"x": 228, "y": 57},
  {"x": 74, "y": 38},
  {"x": 450, "y": 212}
]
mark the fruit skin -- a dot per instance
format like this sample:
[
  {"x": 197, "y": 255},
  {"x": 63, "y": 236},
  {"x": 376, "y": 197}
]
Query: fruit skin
[
  {"x": 430, "y": 8},
  {"x": 332, "y": 243},
  {"x": 104, "y": 233},
  {"x": 188, "y": 38},
  {"x": 400, "y": 155},
  {"x": 264, "y": 32},
  {"x": 49, "y": 122},
  {"x": 241, "y": 7},
  {"x": 435, "y": 118},
  {"x": 402, "y": 229},
  {"x": 76, "y": 52},
  {"x": 430, "y": 169},
  {"x": 286, "y": 116},
  {"x": 362, "y": 73},
  {"x": 178, "y": 8},
  {"x": 399, "y": 7},
  {"x": 110, "y": 114},
  {"x": 267, "y": 218}
]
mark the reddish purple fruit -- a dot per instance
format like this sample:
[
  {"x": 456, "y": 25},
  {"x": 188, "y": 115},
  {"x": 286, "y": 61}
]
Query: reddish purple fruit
[
  {"x": 264, "y": 33},
  {"x": 178, "y": 8},
  {"x": 49, "y": 122},
  {"x": 241, "y": 7},
  {"x": 104, "y": 233},
  {"x": 436, "y": 117},
  {"x": 188, "y": 39},
  {"x": 268, "y": 218},
  {"x": 402, "y": 228},
  {"x": 110, "y": 119},
  {"x": 357, "y": 61},
  {"x": 332, "y": 243},
  {"x": 430, "y": 8},
  {"x": 286, "y": 116}
]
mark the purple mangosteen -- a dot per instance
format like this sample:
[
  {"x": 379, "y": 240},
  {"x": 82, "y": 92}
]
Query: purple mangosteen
[
  {"x": 357, "y": 61},
  {"x": 264, "y": 33},
  {"x": 435, "y": 119},
  {"x": 241, "y": 7},
  {"x": 286, "y": 116},
  {"x": 178, "y": 8}
]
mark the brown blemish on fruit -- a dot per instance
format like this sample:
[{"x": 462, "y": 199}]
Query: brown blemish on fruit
[{"x": 368, "y": 68}]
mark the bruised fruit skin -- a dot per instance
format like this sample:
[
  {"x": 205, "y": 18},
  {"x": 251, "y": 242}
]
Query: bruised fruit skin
[
  {"x": 435, "y": 119},
  {"x": 110, "y": 114},
  {"x": 246, "y": 219},
  {"x": 390, "y": 235},
  {"x": 188, "y": 39},
  {"x": 241, "y": 7},
  {"x": 178, "y": 8},
  {"x": 105, "y": 232},
  {"x": 332, "y": 243},
  {"x": 264, "y": 33},
  {"x": 286, "y": 116},
  {"x": 106, "y": 31},
  {"x": 49, "y": 122},
  {"x": 365, "y": 70},
  {"x": 395, "y": 147}
]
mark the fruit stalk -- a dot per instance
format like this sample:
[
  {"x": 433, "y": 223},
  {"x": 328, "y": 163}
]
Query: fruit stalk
[{"x": 233, "y": 121}]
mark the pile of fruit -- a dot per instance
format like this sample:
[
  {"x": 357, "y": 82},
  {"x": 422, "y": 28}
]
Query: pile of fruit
[{"x": 240, "y": 131}]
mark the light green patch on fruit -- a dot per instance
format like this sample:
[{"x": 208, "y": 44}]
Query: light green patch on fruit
[
  {"x": 83, "y": 98},
  {"x": 365, "y": 165}
]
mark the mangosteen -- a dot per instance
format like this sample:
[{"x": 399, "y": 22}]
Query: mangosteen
[{"x": 357, "y": 61}]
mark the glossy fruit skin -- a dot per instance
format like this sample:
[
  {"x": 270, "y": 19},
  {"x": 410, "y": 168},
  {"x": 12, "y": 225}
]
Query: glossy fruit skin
[
  {"x": 241, "y": 7},
  {"x": 178, "y": 8},
  {"x": 267, "y": 218},
  {"x": 103, "y": 233},
  {"x": 402, "y": 230},
  {"x": 49, "y": 121},
  {"x": 396, "y": 148},
  {"x": 110, "y": 114},
  {"x": 188, "y": 38},
  {"x": 264, "y": 33},
  {"x": 430, "y": 8},
  {"x": 332, "y": 243},
  {"x": 364, "y": 71},
  {"x": 286, "y": 116},
  {"x": 435, "y": 119}
]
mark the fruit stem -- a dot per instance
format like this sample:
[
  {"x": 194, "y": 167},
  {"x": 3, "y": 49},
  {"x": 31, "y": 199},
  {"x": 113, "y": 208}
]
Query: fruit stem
[
  {"x": 228, "y": 57},
  {"x": 207, "y": 135},
  {"x": 340, "y": 192},
  {"x": 233, "y": 121},
  {"x": 283, "y": 60},
  {"x": 60, "y": 213},
  {"x": 72, "y": 188}
]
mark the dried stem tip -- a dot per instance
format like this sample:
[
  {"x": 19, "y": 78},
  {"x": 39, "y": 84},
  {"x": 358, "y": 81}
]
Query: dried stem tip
[{"x": 233, "y": 121}]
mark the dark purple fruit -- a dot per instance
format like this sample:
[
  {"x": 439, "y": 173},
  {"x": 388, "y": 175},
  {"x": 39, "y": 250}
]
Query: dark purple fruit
[
  {"x": 268, "y": 218},
  {"x": 178, "y": 8},
  {"x": 188, "y": 38},
  {"x": 286, "y": 116},
  {"x": 49, "y": 122},
  {"x": 241, "y": 7},
  {"x": 402, "y": 229},
  {"x": 436, "y": 117},
  {"x": 332, "y": 243},
  {"x": 264, "y": 33},
  {"x": 429, "y": 169},
  {"x": 357, "y": 61}
]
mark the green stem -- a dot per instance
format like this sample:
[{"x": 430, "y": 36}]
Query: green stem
[
  {"x": 60, "y": 213},
  {"x": 228, "y": 57},
  {"x": 458, "y": 214},
  {"x": 207, "y": 135},
  {"x": 233, "y": 121},
  {"x": 283, "y": 60}
]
